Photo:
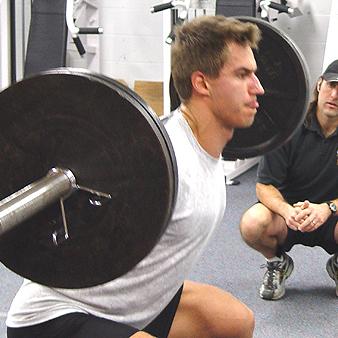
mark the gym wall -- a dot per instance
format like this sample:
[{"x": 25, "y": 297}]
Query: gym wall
[
  {"x": 4, "y": 45},
  {"x": 132, "y": 45},
  {"x": 131, "y": 48},
  {"x": 311, "y": 31}
]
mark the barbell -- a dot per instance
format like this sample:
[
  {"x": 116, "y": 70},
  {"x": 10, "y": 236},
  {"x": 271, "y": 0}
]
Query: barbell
[{"x": 101, "y": 170}]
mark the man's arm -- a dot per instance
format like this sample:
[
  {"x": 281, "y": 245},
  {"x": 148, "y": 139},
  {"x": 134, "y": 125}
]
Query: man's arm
[{"x": 273, "y": 199}]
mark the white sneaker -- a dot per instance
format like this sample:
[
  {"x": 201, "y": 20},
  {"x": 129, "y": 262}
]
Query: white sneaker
[{"x": 273, "y": 286}]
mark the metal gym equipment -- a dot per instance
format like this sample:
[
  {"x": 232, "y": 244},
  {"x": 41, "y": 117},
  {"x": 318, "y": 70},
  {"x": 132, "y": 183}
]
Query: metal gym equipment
[
  {"x": 47, "y": 42},
  {"x": 100, "y": 168},
  {"x": 236, "y": 7}
]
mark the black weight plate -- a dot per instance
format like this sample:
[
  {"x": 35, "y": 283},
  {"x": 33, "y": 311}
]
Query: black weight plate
[
  {"x": 284, "y": 76},
  {"x": 98, "y": 129},
  {"x": 152, "y": 115}
]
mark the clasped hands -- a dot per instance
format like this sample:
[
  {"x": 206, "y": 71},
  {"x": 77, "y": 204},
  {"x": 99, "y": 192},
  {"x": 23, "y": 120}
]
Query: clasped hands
[{"x": 306, "y": 216}]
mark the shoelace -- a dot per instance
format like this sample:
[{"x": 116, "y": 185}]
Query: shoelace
[{"x": 271, "y": 274}]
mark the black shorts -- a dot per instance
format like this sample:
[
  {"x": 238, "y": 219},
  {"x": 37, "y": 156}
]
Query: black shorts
[
  {"x": 323, "y": 237},
  {"x": 81, "y": 325}
]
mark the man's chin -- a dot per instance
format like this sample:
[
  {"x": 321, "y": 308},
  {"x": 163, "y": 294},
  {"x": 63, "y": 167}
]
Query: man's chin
[{"x": 247, "y": 123}]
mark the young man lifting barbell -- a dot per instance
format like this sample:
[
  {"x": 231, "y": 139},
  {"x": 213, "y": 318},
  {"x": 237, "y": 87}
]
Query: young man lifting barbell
[{"x": 214, "y": 69}]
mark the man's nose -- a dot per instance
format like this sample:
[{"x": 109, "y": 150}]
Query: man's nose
[{"x": 257, "y": 86}]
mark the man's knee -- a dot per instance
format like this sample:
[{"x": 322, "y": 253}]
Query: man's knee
[
  {"x": 218, "y": 313},
  {"x": 253, "y": 222},
  {"x": 248, "y": 323},
  {"x": 141, "y": 334},
  {"x": 239, "y": 323}
]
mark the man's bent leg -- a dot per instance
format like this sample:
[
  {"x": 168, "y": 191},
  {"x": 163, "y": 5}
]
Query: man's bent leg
[
  {"x": 266, "y": 232},
  {"x": 207, "y": 311},
  {"x": 332, "y": 263},
  {"x": 263, "y": 230}
]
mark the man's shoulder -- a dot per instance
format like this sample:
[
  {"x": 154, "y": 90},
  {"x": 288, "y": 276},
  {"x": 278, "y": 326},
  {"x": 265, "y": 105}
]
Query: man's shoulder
[{"x": 166, "y": 117}]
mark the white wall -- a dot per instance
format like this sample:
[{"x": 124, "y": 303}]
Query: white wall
[
  {"x": 132, "y": 43},
  {"x": 309, "y": 32},
  {"x": 331, "y": 48},
  {"x": 131, "y": 47},
  {"x": 4, "y": 45}
]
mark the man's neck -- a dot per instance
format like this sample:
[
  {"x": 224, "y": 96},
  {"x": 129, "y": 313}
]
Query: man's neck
[
  {"x": 327, "y": 125},
  {"x": 208, "y": 132}
]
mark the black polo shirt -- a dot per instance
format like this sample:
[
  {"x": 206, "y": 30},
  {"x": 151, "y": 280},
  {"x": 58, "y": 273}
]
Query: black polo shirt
[{"x": 306, "y": 167}]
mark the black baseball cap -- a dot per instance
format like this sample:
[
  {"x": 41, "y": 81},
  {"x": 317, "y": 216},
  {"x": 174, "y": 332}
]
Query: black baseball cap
[{"x": 331, "y": 72}]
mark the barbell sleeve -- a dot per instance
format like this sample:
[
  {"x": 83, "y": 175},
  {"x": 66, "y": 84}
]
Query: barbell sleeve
[{"x": 21, "y": 205}]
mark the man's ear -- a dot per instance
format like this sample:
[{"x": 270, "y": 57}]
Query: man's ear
[
  {"x": 199, "y": 83},
  {"x": 319, "y": 84}
]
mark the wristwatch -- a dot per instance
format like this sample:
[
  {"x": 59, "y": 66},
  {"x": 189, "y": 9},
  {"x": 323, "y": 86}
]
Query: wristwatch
[{"x": 332, "y": 207}]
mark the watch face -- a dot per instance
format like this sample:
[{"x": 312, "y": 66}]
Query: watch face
[{"x": 333, "y": 207}]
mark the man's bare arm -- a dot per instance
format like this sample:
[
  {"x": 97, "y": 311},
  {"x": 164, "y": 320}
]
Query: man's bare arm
[{"x": 274, "y": 200}]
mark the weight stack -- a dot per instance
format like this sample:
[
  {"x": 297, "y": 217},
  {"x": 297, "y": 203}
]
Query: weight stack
[{"x": 236, "y": 7}]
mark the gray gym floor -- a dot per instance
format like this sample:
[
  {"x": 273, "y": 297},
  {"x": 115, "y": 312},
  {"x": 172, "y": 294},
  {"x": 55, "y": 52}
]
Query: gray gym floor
[
  {"x": 309, "y": 308},
  {"x": 9, "y": 283}
]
